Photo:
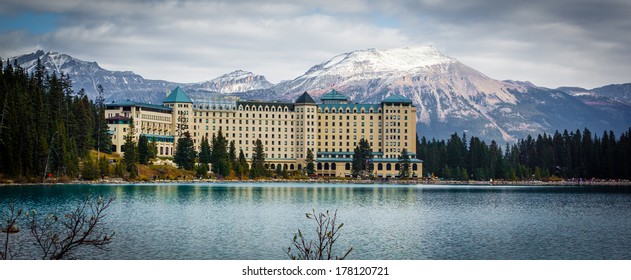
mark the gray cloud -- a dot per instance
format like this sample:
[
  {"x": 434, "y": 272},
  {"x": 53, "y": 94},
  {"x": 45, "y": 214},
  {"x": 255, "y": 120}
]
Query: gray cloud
[{"x": 550, "y": 43}]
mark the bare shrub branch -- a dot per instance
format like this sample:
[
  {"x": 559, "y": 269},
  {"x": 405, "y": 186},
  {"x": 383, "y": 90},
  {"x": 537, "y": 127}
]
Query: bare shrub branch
[
  {"x": 58, "y": 238},
  {"x": 11, "y": 227},
  {"x": 322, "y": 248}
]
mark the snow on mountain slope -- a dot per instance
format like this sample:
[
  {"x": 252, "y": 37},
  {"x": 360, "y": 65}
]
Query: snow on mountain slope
[
  {"x": 373, "y": 62},
  {"x": 441, "y": 87},
  {"x": 123, "y": 85},
  {"x": 234, "y": 82},
  {"x": 612, "y": 100},
  {"x": 449, "y": 95},
  {"x": 118, "y": 85},
  {"x": 620, "y": 93}
]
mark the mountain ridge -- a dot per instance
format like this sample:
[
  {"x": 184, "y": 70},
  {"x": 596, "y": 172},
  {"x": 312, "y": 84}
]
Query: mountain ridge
[{"x": 450, "y": 96}]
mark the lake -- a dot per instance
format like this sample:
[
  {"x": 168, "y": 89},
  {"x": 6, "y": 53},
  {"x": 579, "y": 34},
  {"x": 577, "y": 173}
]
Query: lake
[{"x": 258, "y": 220}]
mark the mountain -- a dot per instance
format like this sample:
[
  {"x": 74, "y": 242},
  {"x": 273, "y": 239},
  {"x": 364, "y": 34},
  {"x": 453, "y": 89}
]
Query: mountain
[
  {"x": 612, "y": 100},
  {"x": 123, "y": 85},
  {"x": 620, "y": 93},
  {"x": 243, "y": 84},
  {"x": 118, "y": 85},
  {"x": 236, "y": 82},
  {"x": 450, "y": 96}
]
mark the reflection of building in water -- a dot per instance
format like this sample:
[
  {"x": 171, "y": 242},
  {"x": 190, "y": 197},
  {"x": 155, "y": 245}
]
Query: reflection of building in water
[{"x": 331, "y": 129}]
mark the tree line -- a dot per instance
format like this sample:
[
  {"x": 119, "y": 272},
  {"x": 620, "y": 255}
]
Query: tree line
[
  {"x": 46, "y": 129},
  {"x": 560, "y": 155},
  {"x": 222, "y": 157}
]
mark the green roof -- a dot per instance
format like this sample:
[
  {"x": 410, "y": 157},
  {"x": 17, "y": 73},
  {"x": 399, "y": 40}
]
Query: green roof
[
  {"x": 397, "y": 98},
  {"x": 177, "y": 95},
  {"x": 138, "y": 104},
  {"x": 373, "y": 160},
  {"x": 346, "y": 153},
  {"x": 305, "y": 98},
  {"x": 333, "y": 95}
]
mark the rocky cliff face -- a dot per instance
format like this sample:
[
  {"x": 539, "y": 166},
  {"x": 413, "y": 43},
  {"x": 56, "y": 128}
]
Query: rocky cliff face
[
  {"x": 450, "y": 96},
  {"x": 118, "y": 85},
  {"x": 236, "y": 82}
]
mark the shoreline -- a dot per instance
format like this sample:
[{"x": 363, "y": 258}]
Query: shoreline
[{"x": 342, "y": 181}]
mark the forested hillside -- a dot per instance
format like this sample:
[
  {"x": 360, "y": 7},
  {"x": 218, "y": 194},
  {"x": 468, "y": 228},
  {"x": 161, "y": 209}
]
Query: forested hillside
[
  {"x": 45, "y": 127},
  {"x": 562, "y": 155}
]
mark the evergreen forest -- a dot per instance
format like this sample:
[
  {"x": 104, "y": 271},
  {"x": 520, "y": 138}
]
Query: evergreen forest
[
  {"x": 46, "y": 129},
  {"x": 564, "y": 155}
]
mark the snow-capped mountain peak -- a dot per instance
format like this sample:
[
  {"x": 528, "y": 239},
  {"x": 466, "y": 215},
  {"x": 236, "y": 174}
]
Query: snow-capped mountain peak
[
  {"x": 449, "y": 95},
  {"x": 233, "y": 82},
  {"x": 54, "y": 61},
  {"x": 378, "y": 61}
]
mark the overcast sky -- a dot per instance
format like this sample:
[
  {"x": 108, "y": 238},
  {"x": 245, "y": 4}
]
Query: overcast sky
[{"x": 551, "y": 43}]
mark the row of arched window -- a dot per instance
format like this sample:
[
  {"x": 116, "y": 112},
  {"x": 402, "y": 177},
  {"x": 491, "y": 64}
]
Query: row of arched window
[
  {"x": 347, "y": 166},
  {"x": 285, "y": 166},
  {"x": 333, "y": 166},
  {"x": 279, "y": 108},
  {"x": 348, "y": 111}
]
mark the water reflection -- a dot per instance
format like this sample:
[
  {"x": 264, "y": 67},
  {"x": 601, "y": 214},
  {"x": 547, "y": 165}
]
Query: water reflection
[{"x": 255, "y": 221}]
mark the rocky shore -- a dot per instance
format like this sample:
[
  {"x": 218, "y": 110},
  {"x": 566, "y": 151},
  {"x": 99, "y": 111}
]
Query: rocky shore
[{"x": 572, "y": 182}]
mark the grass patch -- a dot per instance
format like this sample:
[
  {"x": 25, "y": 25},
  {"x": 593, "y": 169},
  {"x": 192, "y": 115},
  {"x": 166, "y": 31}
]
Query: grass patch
[{"x": 163, "y": 172}]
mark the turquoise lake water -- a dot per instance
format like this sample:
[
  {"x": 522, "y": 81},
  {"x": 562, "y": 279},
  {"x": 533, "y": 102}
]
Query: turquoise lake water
[{"x": 258, "y": 220}]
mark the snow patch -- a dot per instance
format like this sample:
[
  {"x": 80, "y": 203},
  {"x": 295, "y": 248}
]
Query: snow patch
[{"x": 377, "y": 62}]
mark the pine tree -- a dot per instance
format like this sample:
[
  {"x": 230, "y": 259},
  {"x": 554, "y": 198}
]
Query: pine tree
[
  {"x": 204, "y": 151},
  {"x": 103, "y": 141},
  {"x": 71, "y": 160},
  {"x": 130, "y": 150},
  {"x": 446, "y": 172},
  {"x": 119, "y": 171},
  {"x": 202, "y": 170},
  {"x": 185, "y": 152},
  {"x": 362, "y": 159},
  {"x": 104, "y": 167},
  {"x": 143, "y": 149},
  {"x": 153, "y": 150},
  {"x": 232, "y": 157},
  {"x": 258, "y": 169},
  {"x": 243, "y": 165},
  {"x": 310, "y": 168},
  {"x": 220, "y": 159},
  {"x": 279, "y": 170},
  {"x": 456, "y": 152},
  {"x": 82, "y": 124},
  {"x": 89, "y": 171},
  {"x": 404, "y": 164}
]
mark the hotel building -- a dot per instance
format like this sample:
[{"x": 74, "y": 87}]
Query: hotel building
[{"x": 331, "y": 129}]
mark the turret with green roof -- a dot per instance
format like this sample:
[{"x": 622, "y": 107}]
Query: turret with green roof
[
  {"x": 305, "y": 98},
  {"x": 334, "y": 97},
  {"x": 177, "y": 96}
]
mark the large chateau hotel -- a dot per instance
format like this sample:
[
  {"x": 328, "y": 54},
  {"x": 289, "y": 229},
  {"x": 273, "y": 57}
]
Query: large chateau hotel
[{"x": 331, "y": 129}]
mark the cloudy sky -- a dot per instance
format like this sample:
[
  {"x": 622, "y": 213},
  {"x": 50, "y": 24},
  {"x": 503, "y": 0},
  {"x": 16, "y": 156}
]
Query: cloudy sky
[{"x": 548, "y": 42}]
